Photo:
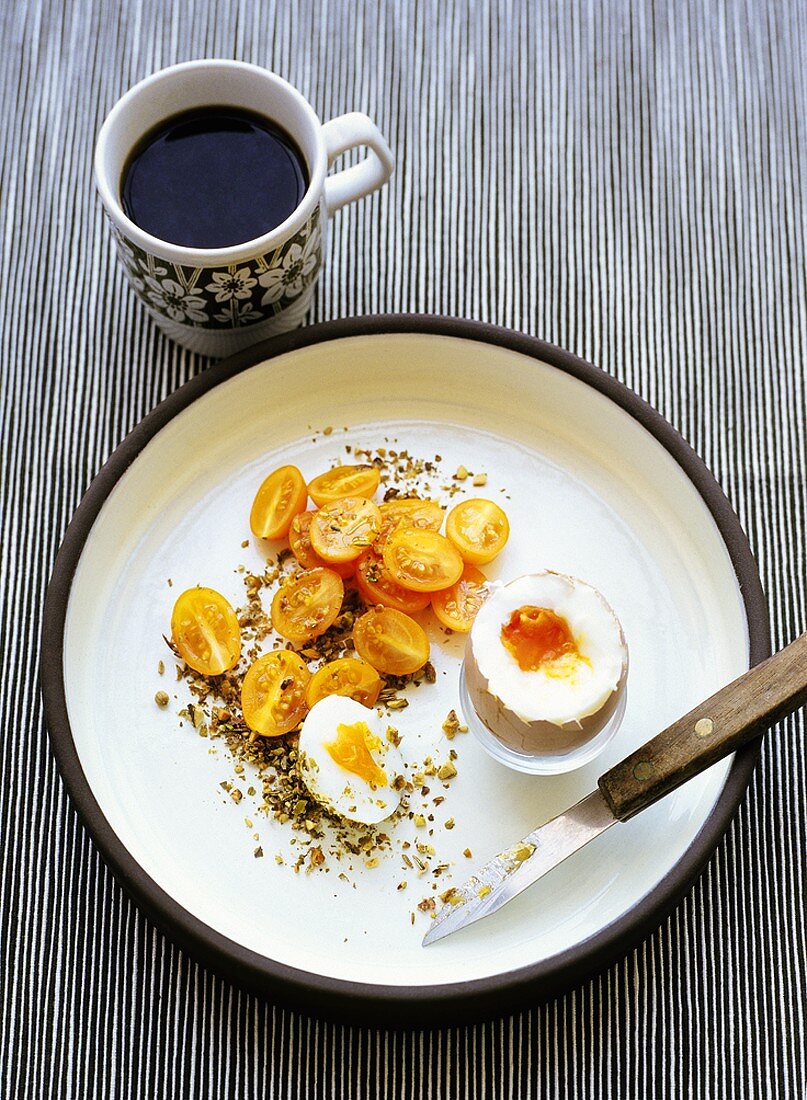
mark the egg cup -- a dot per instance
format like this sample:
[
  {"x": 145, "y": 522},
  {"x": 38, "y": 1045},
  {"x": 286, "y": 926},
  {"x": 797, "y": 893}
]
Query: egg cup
[
  {"x": 569, "y": 754},
  {"x": 534, "y": 698}
]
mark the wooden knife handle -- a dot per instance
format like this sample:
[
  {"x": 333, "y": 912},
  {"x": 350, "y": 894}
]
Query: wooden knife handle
[{"x": 728, "y": 720}]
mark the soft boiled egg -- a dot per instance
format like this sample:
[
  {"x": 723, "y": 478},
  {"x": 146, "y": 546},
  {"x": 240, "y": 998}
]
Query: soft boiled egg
[
  {"x": 346, "y": 761},
  {"x": 546, "y": 663}
]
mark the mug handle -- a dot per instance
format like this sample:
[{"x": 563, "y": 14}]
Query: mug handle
[{"x": 347, "y": 132}]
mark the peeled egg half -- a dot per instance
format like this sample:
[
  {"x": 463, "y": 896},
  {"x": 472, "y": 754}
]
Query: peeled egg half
[
  {"x": 546, "y": 664},
  {"x": 346, "y": 761}
]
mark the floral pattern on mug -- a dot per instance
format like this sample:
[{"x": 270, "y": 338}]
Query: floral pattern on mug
[
  {"x": 171, "y": 298},
  {"x": 287, "y": 279},
  {"x": 226, "y": 297},
  {"x": 231, "y": 284}
]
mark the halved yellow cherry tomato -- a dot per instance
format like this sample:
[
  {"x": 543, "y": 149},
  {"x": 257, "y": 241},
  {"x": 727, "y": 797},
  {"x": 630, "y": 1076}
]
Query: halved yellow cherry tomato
[
  {"x": 281, "y": 496},
  {"x": 205, "y": 631},
  {"x": 344, "y": 481},
  {"x": 456, "y": 607},
  {"x": 345, "y": 676},
  {"x": 421, "y": 560},
  {"x": 479, "y": 530},
  {"x": 304, "y": 552},
  {"x": 273, "y": 693},
  {"x": 343, "y": 530},
  {"x": 413, "y": 511},
  {"x": 391, "y": 642},
  {"x": 376, "y": 586},
  {"x": 307, "y": 604}
]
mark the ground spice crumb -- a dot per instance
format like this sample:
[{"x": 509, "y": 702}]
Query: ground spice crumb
[
  {"x": 373, "y": 862},
  {"x": 413, "y": 918},
  {"x": 279, "y": 859},
  {"x": 402, "y": 885},
  {"x": 467, "y": 853},
  {"x": 480, "y": 479},
  {"x": 249, "y": 824},
  {"x": 420, "y": 821},
  {"x": 427, "y": 904},
  {"x": 161, "y": 699},
  {"x": 161, "y": 667},
  {"x": 258, "y": 853},
  {"x": 316, "y": 857},
  {"x": 447, "y": 771},
  {"x": 236, "y": 795},
  {"x": 245, "y": 544},
  {"x": 450, "y": 823}
]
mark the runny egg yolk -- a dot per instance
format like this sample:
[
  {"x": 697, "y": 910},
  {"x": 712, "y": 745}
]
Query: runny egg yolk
[
  {"x": 351, "y": 751},
  {"x": 536, "y": 636}
]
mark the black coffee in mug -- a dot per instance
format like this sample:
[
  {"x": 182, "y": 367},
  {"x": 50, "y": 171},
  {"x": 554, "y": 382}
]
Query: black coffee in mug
[{"x": 213, "y": 177}]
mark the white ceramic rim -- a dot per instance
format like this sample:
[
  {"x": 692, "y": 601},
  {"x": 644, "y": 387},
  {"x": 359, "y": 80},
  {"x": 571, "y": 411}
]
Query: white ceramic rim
[{"x": 208, "y": 257}]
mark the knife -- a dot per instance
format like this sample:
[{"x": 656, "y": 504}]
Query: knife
[{"x": 725, "y": 722}]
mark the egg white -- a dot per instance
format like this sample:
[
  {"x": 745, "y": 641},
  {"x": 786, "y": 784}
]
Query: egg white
[
  {"x": 341, "y": 791},
  {"x": 564, "y": 694}
]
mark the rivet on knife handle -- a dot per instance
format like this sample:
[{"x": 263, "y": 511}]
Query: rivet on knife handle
[{"x": 722, "y": 724}]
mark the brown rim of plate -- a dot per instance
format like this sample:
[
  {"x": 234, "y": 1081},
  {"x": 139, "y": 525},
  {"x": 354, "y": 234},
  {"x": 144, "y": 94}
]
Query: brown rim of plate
[{"x": 398, "y": 1006}]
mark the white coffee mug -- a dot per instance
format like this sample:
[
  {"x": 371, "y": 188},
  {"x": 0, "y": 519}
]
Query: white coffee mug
[{"x": 219, "y": 300}]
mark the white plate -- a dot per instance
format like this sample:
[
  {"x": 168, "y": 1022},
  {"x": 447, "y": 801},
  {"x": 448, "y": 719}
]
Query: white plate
[{"x": 589, "y": 490}]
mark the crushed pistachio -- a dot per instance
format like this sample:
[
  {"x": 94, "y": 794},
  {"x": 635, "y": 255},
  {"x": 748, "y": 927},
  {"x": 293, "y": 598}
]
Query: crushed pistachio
[
  {"x": 480, "y": 479},
  {"x": 451, "y": 725}
]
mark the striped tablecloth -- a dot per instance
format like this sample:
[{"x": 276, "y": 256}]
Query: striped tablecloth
[{"x": 623, "y": 179}]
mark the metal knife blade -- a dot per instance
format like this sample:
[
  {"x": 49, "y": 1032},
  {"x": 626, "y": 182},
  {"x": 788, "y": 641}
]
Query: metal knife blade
[{"x": 518, "y": 867}]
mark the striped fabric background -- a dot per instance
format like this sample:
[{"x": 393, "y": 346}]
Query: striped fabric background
[{"x": 622, "y": 178}]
